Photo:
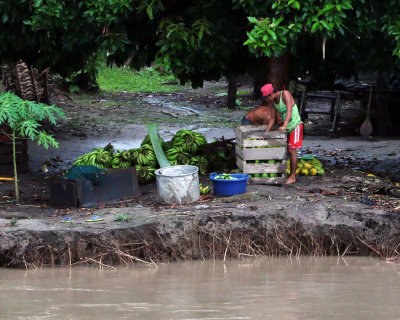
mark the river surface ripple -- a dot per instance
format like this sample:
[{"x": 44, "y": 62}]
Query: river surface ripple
[{"x": 263, "y": 288}]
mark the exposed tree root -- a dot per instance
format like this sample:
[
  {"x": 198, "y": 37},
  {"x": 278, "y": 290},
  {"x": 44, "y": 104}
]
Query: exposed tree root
[{"x": 200, "y": 242}]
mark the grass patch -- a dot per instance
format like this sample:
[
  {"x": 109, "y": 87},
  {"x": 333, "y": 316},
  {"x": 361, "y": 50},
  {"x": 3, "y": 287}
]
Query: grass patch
[{"x": 117, "y": 79}]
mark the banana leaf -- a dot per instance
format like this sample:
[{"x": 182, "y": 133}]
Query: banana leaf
[{"x": 152, "y": 129}]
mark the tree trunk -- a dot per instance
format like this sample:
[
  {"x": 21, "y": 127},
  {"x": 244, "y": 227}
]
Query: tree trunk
[
  {"x": 232, "y": 91},
  {"x": 15, "y": 167},
  {"x": 277, "y": 71}
]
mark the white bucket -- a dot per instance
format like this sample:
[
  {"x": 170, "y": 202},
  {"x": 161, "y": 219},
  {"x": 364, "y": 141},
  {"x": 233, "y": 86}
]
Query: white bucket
[{"x": 178, "y": 184}]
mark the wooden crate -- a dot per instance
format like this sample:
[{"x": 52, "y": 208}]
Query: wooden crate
[
  {"x": 253, "y": 143},
  {"x": 6, "y": 157}
]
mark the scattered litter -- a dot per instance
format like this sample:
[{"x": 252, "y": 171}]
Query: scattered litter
[
  {"x": 94, "y": 219},
  {"x": 202, "y": 206},
  {"x": 67, "y": 220}
]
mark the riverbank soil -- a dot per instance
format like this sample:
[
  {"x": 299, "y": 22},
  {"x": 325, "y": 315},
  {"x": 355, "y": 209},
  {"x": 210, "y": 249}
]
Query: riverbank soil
[{"x": 353, "y": 210}]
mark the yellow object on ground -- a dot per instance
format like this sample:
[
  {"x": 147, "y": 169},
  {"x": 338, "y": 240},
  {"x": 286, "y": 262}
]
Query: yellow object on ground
[
  {"x": 313, "y": 171},
  {"x": 307, "y": 165},
  {"x": 304, "y": 172},
  {"x": 6, "y": 179}
]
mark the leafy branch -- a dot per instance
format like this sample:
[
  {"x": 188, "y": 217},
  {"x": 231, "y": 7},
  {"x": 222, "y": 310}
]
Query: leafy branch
[{"x": 23, "y": 118}]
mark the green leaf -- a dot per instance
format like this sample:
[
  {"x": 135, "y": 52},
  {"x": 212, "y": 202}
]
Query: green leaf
[
  {"x": 272, "y": 34},
  {"x": 253, "y": 20},
  {"x": 149, "y": 11},
  {"x": 315, "y": 26}
]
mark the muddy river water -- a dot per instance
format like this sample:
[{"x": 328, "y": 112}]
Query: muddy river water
[{"x": 264, "y": 288}]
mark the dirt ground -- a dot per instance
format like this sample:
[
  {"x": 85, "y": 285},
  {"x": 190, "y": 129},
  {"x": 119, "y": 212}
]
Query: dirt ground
[{"x": 362, "y": 176}]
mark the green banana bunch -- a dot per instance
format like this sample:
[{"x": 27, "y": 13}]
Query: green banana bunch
[
  {"x": 133, "y": 155},
  {"x": 167, "y": 145},
  {"x": 147, "y": 140},
  {"x": 110, "y": 148},
  {"x": 204, "y": 190},
  {"x": 120, "y": 159},
  {"x": 98, "y": 157},
  {"x": 188, "y": 140},
  {"x": 145, "y": 174},
  {"x": 179, "y": 155},
  {"x": 201, "y": 162},
  {"x": 146, "y": 156}
]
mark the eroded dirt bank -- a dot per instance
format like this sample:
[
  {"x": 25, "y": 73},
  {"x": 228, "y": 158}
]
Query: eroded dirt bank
[{"x": 331, "y": 215}]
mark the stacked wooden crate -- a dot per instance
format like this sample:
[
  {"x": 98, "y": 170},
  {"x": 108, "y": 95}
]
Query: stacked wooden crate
[
  {"x": 261, "y": 153},
  {"x": 6, "y": 156}
]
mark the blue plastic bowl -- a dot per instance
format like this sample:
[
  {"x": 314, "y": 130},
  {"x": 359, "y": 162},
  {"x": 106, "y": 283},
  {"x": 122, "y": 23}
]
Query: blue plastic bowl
[{"x": 225, "y": 187}]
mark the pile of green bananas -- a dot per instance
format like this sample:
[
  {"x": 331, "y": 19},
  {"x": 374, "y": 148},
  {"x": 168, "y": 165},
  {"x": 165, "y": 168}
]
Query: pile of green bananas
[
  {"x": 184, "y": 148},
  {"x": 99, "y": 157},
  {"x": 176, "y": 155},
  {"x": 188, "y": 140},
  {"x": 147, "y": 140},
  {"x": 121, "y": 159},
  {"x": 144, "y": 155},
  {"x": 200, "y": 162},
  {"x": 145, "y": 174}
]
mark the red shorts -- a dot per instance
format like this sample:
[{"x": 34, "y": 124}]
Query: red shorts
[{"x": 295, "y": 139}]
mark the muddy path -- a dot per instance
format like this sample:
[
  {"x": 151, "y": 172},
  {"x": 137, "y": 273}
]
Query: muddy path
[{"x": 344, "y": 212}]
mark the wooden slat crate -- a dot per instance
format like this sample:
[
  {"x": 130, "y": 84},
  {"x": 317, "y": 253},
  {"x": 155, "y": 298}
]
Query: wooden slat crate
[
  {"x": 253, "y": 143},
  {"x": 6, "y": 158}
]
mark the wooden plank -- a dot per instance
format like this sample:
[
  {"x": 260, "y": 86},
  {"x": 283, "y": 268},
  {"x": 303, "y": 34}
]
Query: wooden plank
[
  {"x": 264, "y": 135},
  {"x": 277, "y": 180},
  {"x": 261, "y": 167},
  {"x": 8, "y": 158},
  {"x": 20, "y": 146},
  {"x": 239, "y": 163},
  {"x": 262, "y": 153},
  {"x": 7, "y": 170},
  {"x": 321, "y": 96},
  {"x": 264, "y": 143},
  {"x": 258, "y": 132},
  {"x": 238, "y": 134},
  {"x": 319, "y": 112}
]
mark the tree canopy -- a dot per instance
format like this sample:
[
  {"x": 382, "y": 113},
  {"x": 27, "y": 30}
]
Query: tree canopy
[{"x": 204, "y": 40}]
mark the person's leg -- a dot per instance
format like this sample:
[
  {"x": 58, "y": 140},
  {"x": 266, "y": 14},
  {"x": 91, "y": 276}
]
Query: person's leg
[
  {"x": 293, "y": 166},
  {"x": 295, "y": 141}
]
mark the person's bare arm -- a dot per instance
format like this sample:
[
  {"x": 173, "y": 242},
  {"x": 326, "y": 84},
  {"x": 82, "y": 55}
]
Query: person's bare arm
[
  {"x": 270, "y": 124},
  {"x": 289, "y": 101}
]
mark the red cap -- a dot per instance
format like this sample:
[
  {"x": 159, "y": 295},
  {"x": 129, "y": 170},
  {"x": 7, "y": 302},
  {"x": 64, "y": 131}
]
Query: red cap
[{"x": 267, "y": 89}]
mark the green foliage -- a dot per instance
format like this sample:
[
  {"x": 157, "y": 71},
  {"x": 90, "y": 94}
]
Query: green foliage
[
  {"x": 146, "y": 80},
  {"x": 13, "y": 221},
  {"x": 269, "y": 38},
  {"x": 24, "y": 118},
  {"x": 201, "y": 40},
  {"x": 69, "y": 35},
  {"x": 123, "y": 217},
  {"x": 394, "y": 30},
  {"x": 272, "y": 36}
]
